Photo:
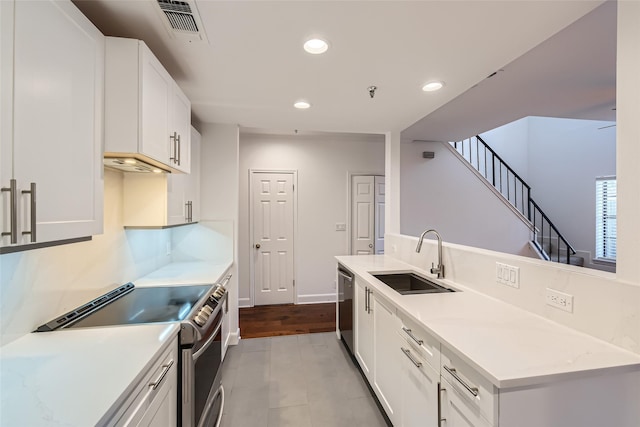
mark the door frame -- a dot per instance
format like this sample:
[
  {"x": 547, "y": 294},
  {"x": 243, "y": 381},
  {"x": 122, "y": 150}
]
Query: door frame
[
  {"x": 252, "y": 289},
  {"x": 349, "y": 200}
]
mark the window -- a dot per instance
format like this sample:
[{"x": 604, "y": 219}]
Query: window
[{"x": 606, "y": 222}]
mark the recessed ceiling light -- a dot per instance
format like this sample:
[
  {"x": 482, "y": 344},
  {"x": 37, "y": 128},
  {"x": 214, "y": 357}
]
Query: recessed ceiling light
[
  {"x": 302, "y": 105},
  {"x": 431, "y": 86},
  {"x": 130, "y": 161},
  {"x": 316, "y": 46}
]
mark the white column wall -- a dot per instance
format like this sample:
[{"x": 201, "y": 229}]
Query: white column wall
[
  {"x": 628, "y": 140},
  {"x": 392, "y": 182},
  {"x": 219, "y": 195}
]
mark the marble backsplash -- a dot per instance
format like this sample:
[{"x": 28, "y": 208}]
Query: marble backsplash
[{"x": 603, "y": 306}]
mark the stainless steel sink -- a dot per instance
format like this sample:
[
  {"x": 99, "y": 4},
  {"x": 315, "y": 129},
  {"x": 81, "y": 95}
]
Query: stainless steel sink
[{"x": 410, "y": 283}]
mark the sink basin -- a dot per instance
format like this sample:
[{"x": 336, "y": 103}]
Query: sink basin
[{"x": 410, "y": 283}]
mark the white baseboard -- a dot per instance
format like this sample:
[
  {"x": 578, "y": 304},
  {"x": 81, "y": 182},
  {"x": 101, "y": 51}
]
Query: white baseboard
[
  {"x": 244, "y": 302},
  {"x": 234, "y": 337},
  {"x": 316, "y": 298}
]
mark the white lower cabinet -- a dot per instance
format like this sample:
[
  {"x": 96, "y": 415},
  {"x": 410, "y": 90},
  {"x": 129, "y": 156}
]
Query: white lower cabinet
[
  {"x": 154, "y": 400},
  {"x": 456, "y": 411},
  {"x": 419, "y": 388},
  {"x": 387, "y": 369},
  {"x": 364, "y": 329}
]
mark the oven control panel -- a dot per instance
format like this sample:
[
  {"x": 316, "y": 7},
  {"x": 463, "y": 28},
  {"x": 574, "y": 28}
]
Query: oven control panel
[
  {"x": 205, "y": 312},
  {"x": 203, "y": 315}
]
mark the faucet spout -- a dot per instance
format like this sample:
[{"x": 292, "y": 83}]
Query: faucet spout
[{"x": 439, "y": 269}]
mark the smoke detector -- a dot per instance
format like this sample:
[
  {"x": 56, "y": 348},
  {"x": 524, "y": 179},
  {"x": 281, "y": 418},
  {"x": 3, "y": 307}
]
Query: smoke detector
[{"x": 182, "y": 20}]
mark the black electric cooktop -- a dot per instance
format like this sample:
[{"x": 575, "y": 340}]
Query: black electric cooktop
[{"x": 135, "y": 305}]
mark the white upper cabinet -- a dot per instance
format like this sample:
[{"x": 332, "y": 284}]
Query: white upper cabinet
[
  {"x": 147, "y": 116},
  {"x": 52, "y": 72}
]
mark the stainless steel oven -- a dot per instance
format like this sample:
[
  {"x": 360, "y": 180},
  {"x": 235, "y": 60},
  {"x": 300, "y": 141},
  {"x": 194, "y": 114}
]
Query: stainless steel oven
[
  {"x": 198, "y": 308},
  {"x": 202, "y": 396}
]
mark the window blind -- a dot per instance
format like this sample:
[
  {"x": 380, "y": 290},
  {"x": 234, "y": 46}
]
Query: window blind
[{"x": 606, "y": 222}]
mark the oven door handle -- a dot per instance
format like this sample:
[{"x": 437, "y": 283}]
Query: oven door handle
[
  {"x": 205, "y": 412},
  {"x": 206, "y": 345}
]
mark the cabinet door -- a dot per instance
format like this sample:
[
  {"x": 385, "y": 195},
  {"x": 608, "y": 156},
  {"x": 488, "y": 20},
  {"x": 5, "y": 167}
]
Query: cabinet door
[
  {"x": 163, "y": 410},
  {"x": 193, "y": 186},
  {"x": 364, "y": 330},
  {"x": 180, "y": 130},
  {"x": 58, "y": 111},
  {"x": 419, "y": 389},
  {"x": 6, "y": 114},
  {"x": 156, "y": 88},
  {"x": 176, "y": 199},
  {"x": 387, "y": 358},
  {"x": 457, "y": 412}
]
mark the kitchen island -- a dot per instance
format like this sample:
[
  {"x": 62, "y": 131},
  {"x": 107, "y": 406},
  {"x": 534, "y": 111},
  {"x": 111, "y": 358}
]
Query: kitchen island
[{"x": 513, "y": 368}]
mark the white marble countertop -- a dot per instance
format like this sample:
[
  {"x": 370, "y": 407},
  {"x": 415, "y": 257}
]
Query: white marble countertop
[
  {"x": 185, "y": 273},
  {"x": 509, "y": 346},
  {"x": 74, "y": 377}
]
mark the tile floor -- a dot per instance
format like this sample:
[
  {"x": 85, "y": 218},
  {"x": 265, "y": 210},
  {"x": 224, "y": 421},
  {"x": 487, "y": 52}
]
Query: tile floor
[{"x": 295, "y": 381}]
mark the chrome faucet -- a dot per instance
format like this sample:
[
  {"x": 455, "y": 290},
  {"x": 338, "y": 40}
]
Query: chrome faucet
[{"x": 439, "y": 270}]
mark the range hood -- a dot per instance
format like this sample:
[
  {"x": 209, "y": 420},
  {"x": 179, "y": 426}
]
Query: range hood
[{"x": 133, "y": 163}]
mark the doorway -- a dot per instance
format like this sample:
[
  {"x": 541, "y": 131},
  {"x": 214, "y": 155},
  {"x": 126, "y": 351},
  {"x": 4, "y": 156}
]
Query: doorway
[
  {"x": 367, "y": 193},
  {"x": 272, "y": 218}
]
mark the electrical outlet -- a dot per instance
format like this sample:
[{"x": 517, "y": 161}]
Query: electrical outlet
[
  {"x": 508, "y": 275},
  {"x": 341, "y": 226},
  {"x": 559, "y": 300}
]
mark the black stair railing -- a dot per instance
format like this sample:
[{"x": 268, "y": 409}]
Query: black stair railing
[{"x": 518, "y": 193}]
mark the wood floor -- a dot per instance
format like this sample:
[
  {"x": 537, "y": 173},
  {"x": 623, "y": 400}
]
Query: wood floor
[{"x": 287, "y": 319}]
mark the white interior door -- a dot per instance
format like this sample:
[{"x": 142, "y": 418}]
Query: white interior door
[
  {"x": 362, "y": 215},
  {"x": 273, "y": 227},
  {"x": 378, "y": 220}
]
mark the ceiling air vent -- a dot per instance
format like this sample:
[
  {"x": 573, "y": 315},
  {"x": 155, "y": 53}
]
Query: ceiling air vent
[{"x": 182, "y": 19}]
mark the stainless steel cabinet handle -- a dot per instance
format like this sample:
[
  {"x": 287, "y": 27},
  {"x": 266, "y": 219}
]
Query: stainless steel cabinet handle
[
  {"x": 366, "y": 295},
  {"x": 179, "y": 151},
  {"x": 174, "y": 138},
  {"x": 164, "y": 373},
  {"x": 369, "y": 300},
  {"x": 408, "y": 332},
  {"x": 32, "y": 192},
  {"x": 13, "y": 211},
  {"x": 454, "y": 374},
  {"x": 440, "y": 419},
  {"x": 408, "y": 354}
]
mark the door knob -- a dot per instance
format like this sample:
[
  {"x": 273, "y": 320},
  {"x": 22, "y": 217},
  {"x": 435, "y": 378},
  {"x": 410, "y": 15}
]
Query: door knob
[
  {"x": 257, "y": 245},
  {"x": 371, "y": 245}
]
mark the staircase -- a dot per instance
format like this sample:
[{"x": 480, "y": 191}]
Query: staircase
[{"x": 547, "y": 240}]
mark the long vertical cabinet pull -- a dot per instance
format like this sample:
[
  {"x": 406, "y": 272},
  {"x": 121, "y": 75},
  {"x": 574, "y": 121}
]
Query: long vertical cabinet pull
[
  {"x": 32, "y": 231},
  {"x": 13, "y": 211},
  {"x": 366, "y": 298},
  {"x": 179, "y": 150},
  {"x": 174, "y": 138},
  {"x": 440, "y": 419}
]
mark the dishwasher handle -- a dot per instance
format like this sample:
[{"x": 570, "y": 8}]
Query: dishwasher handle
[{"x": 345, "y": 275}]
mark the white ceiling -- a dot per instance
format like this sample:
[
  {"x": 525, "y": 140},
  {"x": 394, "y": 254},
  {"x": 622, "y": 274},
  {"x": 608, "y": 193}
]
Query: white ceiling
[{"x": 253, "y": 69}]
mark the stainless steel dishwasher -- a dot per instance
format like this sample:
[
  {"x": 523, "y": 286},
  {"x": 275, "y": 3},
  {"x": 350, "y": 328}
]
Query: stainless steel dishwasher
[{"x": 345, "y": 306}]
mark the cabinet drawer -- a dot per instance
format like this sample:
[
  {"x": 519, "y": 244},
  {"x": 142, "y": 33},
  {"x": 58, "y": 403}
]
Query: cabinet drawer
[
  {"x": 143, "y": 395},
  {"x": 416, "y": 358},
  {"x": 475, "y": 389},
  {"x": 422, "y": 342}
]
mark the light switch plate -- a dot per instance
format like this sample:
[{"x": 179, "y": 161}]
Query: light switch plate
[
  {"x": 508, "y": 275},
  {"x": 340, "y": 226}
]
